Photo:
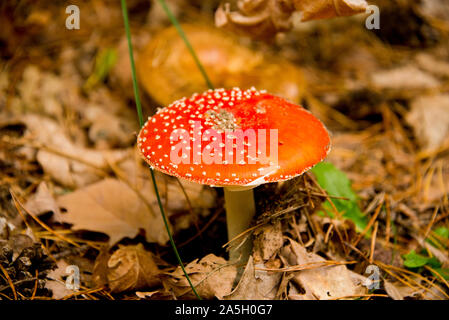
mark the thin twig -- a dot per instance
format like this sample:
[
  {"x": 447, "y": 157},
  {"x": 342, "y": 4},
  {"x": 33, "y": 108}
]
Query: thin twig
[
  {"x": 308, "y": 266},
  {"x": 11, "y": 284},
  {"x": 373, "y": 242},
  {"x": 369, "y": 225}
]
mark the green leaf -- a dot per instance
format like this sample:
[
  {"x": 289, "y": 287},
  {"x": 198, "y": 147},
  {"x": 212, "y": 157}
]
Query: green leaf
[
  {"x": 444, "y": 272},
  {"x": 433, "y": 262},
  {"x": 443, "y": 232},
  {"x": 414, "y": 260},
  {"x": 104, "y": 62},
  {"x": 337, "y": 184}
]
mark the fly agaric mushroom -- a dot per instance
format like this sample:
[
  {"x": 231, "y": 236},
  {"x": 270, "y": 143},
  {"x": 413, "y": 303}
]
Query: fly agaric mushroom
[{"x": 237, "y": 140}]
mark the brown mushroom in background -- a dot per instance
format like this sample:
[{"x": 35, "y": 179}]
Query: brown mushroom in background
[
  {"x": 168, "y": 72},
  {"x": 236, "y": 139}
]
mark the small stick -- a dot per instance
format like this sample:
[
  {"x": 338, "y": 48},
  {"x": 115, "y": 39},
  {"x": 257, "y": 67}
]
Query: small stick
[
  {"x": 432, "y": 221},
  {"x": 373, "y": 242},
  {"x": 35, "y": 285},
  {"x": 437, "y": 275},
  {"x": 388, "y": 226},
  {"x": 370, "y": 223},
  {"x": 9, "y": 281},
  {"x": 308, "y": 266}
]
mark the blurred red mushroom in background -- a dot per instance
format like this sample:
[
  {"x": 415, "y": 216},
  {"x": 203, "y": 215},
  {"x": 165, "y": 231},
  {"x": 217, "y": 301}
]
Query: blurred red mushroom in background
[{"x": 237, "y": 140}]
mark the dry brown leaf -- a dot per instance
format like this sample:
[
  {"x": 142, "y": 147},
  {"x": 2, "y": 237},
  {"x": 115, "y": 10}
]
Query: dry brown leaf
[
  {"x": 404, "y": 78},
  {"x": 120, "y": 208},
  {"x": 43, "y": 201},
  {"x": 268, "y": 240},
  {"x": 112, "y": 207},
  {"x": 144, "y": 295},
  {"x": 44, "y": 92},
  {"x": 132, "y": 268},
  {"x": 399, "y": 291},
  {"x": 107, "y": 129},
  {"x": 201, "y": 198},
  {"x": 437, "y": 9},
  {"x": 5, "y": 228},
  {"x": 100, "y": 268},
  {"x": 429, "y": 118},
  {"x": 128, "y": 268},
  {"x": 429, "y": 63},
  {"x": 323, "y": 283},
  {"x": 138, "y": 176},
  {"x": 264, "y": 18},
  {"x": 67, "y": 163},
  {"x": 256, "y": 284},
  {"x": 55, "y": 281},
  {"x": 212, "y": 277}
]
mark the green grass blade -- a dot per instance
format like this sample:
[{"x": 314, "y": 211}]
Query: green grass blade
[
  {"x": 133, "y": 67},
  {"x": 139, "y": 113}
]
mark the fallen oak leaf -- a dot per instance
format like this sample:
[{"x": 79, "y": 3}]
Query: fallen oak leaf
[
  {"x": 268, "y": 241},
  {"x": 431, "y": 64},
  {"x": 111, "y": 207},
  {"x": 429, "y": 118},
  {"x": 175, "y": 197},
  {"x": 56, "y": 281},
  {"x": 212, "y": 277},
  {"x": 108, "y": 129},
  {"x": 6, "y": 228},
  {"x": 322, "y": 283},
  {"x": 398, "y": 291},
  {"x": 100, "y": 268},
  {"x": 145, "y": 295},
  {"x": 120, "y": 208},
  {"x": 256, "y": 284},
  {"x": 437, "y": 10},
  {"x": 404, "y": 78},
  {"x": 67, "y": 163},
  {"x": 43, "y": 201},
  {"x": 132, "y": 268}
]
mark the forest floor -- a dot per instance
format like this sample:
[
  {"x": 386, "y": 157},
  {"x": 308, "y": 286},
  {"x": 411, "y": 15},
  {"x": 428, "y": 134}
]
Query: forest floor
[{"x": 75, "y": 197}]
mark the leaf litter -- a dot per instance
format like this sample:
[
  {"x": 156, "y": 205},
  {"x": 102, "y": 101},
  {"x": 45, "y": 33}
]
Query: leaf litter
[{"x": 74, "y": 192}]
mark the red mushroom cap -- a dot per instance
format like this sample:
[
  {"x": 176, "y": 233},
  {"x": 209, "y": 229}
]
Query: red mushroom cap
[{"x": 233, "y": 138}]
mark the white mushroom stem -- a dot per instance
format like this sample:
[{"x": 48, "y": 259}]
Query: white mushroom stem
[{"x": 240, "y": 210}]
